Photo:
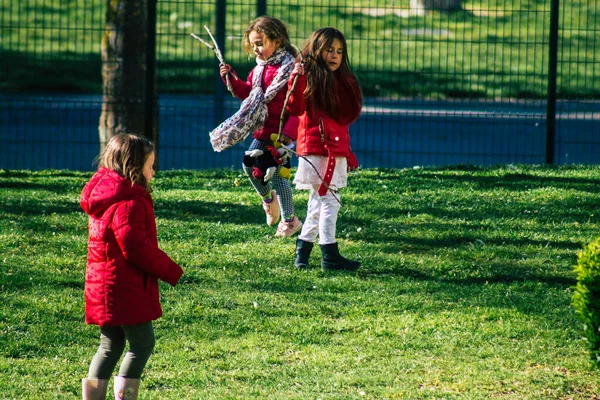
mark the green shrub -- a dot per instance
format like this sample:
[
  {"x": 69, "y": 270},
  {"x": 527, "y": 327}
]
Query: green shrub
[{"x": 586, "y": 298}]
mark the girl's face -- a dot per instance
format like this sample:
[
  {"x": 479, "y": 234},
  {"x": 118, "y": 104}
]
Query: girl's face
[
  {"x": 261, "y": 45},
  {"x": 333, "y": 55},
  {"x": 148, "y": 169}
]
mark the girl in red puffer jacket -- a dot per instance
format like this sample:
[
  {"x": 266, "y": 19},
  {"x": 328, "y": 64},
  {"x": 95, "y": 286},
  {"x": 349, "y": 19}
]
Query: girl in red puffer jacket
[
  {"x": 124, "y": 264},
  {"x": 328, "y": 99},
  {"x": 264, "y": 94}
]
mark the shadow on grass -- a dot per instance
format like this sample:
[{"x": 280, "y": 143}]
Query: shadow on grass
[
  {"x": 520, "y": 182},
  {"x": 485, "y": 274},
  {"x": 211, "y": 212},
  {"x": 398, "y": 242},
  {"x": 23, "y": 277},
  {"x": 36, "y": 208},
  {"x": 476, "y": 201},
  {"x": 65, "y": 72},
  {"x": 54, "y": 187}
]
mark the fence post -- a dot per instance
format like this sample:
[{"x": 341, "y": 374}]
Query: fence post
[
  {"x": 552, "y": 69},
  {"x": 261, "y": 7},
  {"x": 151, "y": 106},
  {"x": 220, "y": 38}
]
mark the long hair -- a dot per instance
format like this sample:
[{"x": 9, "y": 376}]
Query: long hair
[
  {"x": 273, "y": 29},
  {"x": 126, "y": 154},
  {"x": 320, "y": 85}
]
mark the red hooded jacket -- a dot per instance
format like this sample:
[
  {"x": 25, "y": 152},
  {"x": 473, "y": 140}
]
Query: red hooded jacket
[
  {"x": 124, "y": 262},
  {"x": 320, "y": 134},
  {"x": 242, "y": 90}
]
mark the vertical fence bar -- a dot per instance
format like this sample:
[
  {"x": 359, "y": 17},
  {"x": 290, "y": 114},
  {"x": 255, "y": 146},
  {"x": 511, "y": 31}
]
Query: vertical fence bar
[
  {"x": 150, "y": 117},
  {"x": 221, "y": 10},
  {"x": 552, "y": 74},
  {"x": 261, "y": 7}
]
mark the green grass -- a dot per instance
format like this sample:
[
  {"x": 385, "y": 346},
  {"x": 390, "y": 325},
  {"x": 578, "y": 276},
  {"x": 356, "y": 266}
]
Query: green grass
[
  {"x": 491, "y": 49},
  {"x": 464, "y": 290}
]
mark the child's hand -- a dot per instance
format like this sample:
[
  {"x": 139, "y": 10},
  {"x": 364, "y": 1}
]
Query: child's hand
[
  {"x": 224, "y": 69},
  {"x": 352, "y": 162},
  {"x": 298, "y": 69},
  {"x": 286, "y": 140}
]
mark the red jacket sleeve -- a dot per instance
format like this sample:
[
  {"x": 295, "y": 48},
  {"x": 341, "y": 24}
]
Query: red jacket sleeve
[
  {"x": 138, "y": 242},
  {"x": 297, "y": 104},
  {"x": 352, "y": 161},
  {"x": 241, "y": 89}
]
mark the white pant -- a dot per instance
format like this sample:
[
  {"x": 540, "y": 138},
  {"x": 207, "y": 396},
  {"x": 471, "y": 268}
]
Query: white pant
[{"x": 321, "y": 217}]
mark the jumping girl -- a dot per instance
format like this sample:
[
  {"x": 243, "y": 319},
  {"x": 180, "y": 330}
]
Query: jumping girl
[
  {"x": 328, "y": 99},
  {"x": 268, "y": 39}
]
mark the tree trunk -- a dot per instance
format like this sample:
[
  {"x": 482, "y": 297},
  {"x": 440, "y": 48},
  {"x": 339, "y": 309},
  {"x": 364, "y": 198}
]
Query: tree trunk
[
  {"x": 124, "y": 47},
  {"x": 439, "y": 5}
]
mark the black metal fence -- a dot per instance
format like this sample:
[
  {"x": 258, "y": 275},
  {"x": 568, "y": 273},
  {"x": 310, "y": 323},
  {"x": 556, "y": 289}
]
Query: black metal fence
[{"x": 492, "y": 82}]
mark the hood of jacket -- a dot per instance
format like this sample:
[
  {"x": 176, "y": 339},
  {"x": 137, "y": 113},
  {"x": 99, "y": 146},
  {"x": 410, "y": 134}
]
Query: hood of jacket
[{"x": 106, "y": 188}]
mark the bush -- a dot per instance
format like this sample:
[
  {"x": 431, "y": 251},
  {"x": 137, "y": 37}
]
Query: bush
[{"x": 586, "y": 298}]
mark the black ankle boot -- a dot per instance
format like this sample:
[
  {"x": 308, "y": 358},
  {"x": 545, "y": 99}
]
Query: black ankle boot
[
  {"x": 332, "y": 259},
  {"x": 302, "y": 254}
]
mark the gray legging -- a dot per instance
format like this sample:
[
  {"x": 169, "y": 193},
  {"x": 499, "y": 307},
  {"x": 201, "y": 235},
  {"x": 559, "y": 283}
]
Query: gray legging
[
  {"x": 282, "y": 186},
  {"x": 112, "y": 343}
]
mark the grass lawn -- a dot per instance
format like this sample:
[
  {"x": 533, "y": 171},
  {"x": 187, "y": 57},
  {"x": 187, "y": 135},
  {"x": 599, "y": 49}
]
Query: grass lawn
[{"x": 464, "y": 290}]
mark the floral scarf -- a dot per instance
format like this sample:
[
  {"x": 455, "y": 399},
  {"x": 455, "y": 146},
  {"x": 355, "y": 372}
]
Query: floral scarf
[{"x": 253, "y": 110}]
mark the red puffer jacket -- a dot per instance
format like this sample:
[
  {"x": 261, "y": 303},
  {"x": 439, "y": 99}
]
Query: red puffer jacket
[
  {"x": 242, "y": 90},
  {"x": 124, "y": 262},
  {"x": 319, "y": 133}
]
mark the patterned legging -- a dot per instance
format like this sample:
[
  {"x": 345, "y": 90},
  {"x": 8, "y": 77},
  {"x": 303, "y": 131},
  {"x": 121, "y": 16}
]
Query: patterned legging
[{"x": 281, "y": 185}]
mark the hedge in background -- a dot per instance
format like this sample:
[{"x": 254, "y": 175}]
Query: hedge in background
[{"x": 586, "y": 298}]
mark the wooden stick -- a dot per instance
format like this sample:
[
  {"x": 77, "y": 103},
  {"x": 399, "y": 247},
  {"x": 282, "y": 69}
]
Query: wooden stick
[
  {"x": 287, "y": 98},
  {"x": 220, "y": 57},
  {"x": 217, "y": 52},
  {"x": 333, "y": 192}
]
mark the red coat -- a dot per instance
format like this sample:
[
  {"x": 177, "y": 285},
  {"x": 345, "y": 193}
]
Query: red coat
[
  {"x": 335, "y": 140},
  {"x": 124, "y": 262},
  {"x": 242, "y": 90}
]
